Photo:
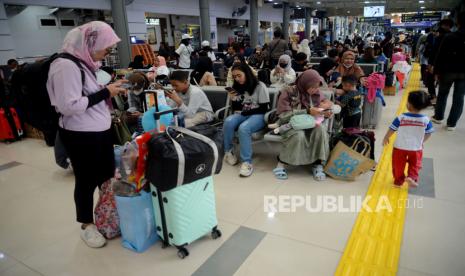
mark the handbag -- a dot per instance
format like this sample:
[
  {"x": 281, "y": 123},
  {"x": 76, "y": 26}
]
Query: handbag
[
  {"x": 106, "y": 215},
  {"x": 302, "y": 121},
  {"x": 346, "y": 163},
  {"x": 137, "y": 221},
  {"x": 120, "y": 129}
]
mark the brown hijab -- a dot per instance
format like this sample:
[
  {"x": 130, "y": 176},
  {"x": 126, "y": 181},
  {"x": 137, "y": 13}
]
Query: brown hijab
[
  {"x": 291, "y": 98},
  {"x": 353, "y": 70}
]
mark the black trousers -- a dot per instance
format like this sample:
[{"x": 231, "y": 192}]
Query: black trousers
[
  {"x": 351, "y": 121},
  {"x": 92, "y": 157}
]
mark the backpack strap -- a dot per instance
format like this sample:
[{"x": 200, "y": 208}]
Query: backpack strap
[{"x": 77, "y": 61}]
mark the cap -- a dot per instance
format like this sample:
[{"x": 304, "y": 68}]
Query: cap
[
  {"x": 186, "y": 36},
  {"x": 205, "y": 43}
]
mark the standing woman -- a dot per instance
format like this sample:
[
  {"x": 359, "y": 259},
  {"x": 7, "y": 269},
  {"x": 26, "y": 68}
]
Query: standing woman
[
  {"x": 85, "y": 120},
  {"x": 184, "y": 51},
  {"x": 250, "y": 101}
]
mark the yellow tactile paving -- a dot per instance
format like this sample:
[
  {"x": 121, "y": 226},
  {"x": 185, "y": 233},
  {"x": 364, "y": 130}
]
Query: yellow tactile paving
[{"x": 373, "y": 247}]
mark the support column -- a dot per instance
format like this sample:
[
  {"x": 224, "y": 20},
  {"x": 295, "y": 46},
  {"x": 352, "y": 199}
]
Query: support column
[
  {"x": 120, "y": 23},
  {"x": 7, "y": 47},
  {"x": 253, "y": 24},
  {"x": 286, "y": 18},
  {"x": 308, "y": 23},
  {"x": 204, "y": 19}
]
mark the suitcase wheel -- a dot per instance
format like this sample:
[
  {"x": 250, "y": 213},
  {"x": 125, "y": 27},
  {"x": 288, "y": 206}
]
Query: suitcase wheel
[
  {"x": 216, "y": 233},
  {"x": 182, "y": 253}
]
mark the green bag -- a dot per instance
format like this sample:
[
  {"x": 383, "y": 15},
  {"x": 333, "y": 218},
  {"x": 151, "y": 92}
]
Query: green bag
[
  {"x": 120, "y": 129},
  {"x": 302, "y": 121}
]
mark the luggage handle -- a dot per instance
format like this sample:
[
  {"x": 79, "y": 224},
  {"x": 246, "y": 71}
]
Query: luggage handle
[
  {"x": 158, "y": 115},
  {"x": 180, "y": 152},
  {"x": 366, "y": 149}
]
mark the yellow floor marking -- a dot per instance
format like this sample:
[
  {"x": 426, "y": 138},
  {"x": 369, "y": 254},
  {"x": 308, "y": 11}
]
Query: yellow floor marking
[{"x": 374, "y": 245}]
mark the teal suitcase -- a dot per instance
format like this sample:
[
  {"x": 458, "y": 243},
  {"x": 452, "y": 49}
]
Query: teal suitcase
[{"x": 185, "y": 214}]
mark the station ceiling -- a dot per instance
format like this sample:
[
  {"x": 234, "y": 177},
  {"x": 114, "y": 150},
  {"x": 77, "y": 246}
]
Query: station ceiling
[{"x": 355, "y": 7}]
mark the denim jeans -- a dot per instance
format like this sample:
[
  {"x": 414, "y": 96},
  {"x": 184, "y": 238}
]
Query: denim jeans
[
  {"x": 445, "y": 83},
  {"x": 245, "y": 125}
]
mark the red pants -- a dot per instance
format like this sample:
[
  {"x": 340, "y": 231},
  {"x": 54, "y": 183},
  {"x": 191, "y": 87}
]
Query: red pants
[{"x": 400, "y": 158}]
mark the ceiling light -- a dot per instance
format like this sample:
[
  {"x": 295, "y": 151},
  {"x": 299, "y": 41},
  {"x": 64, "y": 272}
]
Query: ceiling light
[
  {"x": 367, "y": 2},
  {"x": 422, "y": 8},
  {"x": 421, "y": 1},
  {"x": 348, "y": 11},
  {"x": 318, "y": 3}
]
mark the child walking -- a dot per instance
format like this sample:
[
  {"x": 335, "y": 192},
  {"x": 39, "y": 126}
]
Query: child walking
[{"x": 413, "y": 129}]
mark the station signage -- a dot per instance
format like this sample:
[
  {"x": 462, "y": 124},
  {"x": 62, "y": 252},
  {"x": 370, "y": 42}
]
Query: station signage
[
  {"x": 421, "y": 16},
  {"x": 384, "y": 22}
]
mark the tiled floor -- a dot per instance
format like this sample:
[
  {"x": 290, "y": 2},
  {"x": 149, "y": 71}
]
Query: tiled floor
[{"x": 39, "y": 236}]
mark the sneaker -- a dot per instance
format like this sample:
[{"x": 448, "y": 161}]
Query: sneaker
[
  {"x": 450, "y": 128},
  {"x": 436, "y": 121},
  {"x": 92, "y": 237},
  {"x": 230, "y": 158},
  {"x": 246, "y": 169},
  {"x": 411, "y": 183}
]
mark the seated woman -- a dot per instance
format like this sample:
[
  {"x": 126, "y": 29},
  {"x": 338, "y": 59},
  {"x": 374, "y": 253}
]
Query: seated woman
[
  {"x": 257, "y": 59},
  {"x": 250, "y": 101},
  {"x": 348, "y": 67},
  {"x": 309, "y": 146},
  {"x": 237, "y": 59},
  {"x": 202, "y": 74},
  {"x": 159, "y": 68},
  {"x": 283, "y": 74}
]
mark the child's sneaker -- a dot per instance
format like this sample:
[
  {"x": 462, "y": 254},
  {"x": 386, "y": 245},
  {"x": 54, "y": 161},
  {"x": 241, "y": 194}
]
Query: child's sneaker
[{"x": 411, "y": 183}]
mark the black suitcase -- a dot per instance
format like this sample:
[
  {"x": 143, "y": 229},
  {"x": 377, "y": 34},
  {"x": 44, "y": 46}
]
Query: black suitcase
[{"x": 179, "y": 156}]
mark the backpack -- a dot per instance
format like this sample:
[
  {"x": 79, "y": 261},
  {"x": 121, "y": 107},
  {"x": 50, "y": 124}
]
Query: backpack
[{"x": 29, "y": 83}]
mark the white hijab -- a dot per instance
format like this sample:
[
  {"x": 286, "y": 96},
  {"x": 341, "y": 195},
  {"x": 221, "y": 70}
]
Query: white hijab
[{"x": 304, "y": 48}]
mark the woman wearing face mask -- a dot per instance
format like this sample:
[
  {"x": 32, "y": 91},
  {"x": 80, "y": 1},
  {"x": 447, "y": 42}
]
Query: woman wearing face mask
[
  {"x": 304, "y": 147},
  {"x": 85, "y": 121},
  {"x": 283, "y": 74},
  {"x": 348, "y": 67},
  {"x": 184, "y": 52}
]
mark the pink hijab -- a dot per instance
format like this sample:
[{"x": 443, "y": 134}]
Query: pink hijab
[{"x": 88, "y": 38}]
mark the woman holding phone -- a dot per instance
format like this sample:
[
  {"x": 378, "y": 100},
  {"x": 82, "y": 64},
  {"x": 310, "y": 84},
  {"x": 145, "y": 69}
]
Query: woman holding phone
[
  {"x": 250, "y": 101},
  {"x": 85, "y": 121}
]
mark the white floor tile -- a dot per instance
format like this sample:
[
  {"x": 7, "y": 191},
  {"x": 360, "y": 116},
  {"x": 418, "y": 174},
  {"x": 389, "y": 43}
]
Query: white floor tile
[{"x": 281, "y": 256}]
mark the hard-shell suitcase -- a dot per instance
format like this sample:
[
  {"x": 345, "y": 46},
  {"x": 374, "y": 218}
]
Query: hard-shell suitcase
[
  {"x": 10, "y": 125},
  {"x": 185, "y": 214}
]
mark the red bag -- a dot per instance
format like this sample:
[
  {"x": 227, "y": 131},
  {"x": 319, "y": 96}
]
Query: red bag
[
  {"x": 10, "y": 126},
  {"x": 106, "y": 214}
]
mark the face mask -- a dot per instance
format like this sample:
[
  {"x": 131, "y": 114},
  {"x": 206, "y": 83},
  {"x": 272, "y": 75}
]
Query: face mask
[
  {"x": 347, "y": 65},
  {"x": 283, "y": 65}
]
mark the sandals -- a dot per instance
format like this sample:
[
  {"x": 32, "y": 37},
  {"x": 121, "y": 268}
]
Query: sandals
[
  {"x": 280, "y": 173},
  {"x": 318, "y": 173}
]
